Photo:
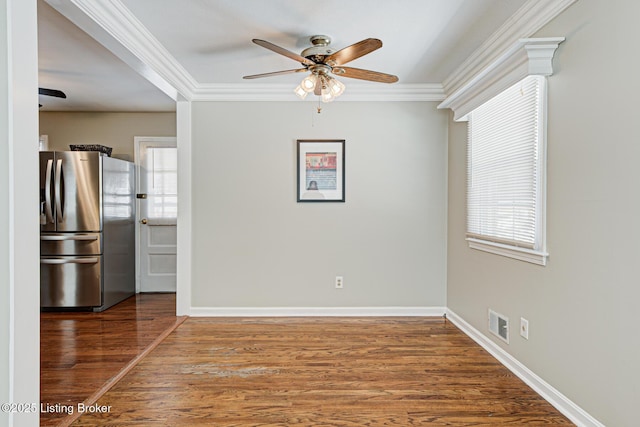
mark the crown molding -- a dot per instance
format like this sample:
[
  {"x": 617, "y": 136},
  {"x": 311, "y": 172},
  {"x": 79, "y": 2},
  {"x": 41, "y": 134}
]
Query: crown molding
[
  {"x": 113, "y": 25},
  {"x": 116, "y": 28},
  {"x": 284, "y": 92},
  {"x": 531, "y": 17},
  {"x": 526, "y": 57}
]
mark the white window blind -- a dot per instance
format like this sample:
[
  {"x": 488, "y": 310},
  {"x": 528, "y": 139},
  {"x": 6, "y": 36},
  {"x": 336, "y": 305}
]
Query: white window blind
[{"x": 505, "y": 160}]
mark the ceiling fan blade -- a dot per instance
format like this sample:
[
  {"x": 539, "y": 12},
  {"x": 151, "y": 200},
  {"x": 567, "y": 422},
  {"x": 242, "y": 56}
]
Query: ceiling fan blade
[
  {"x": 354, "y": 51},
  {"x": 357, "y": 73},
  {"x": 275, "y": 73},
  {"x": 51, "y": 92},
  {"x": 283, "y": 51}
]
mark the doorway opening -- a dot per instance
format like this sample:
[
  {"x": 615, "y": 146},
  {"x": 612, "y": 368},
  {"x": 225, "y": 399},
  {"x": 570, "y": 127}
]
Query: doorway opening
[{"x": 156, "y": 160}]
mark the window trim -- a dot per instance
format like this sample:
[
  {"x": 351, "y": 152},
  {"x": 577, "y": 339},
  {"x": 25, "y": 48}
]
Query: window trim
[
  {"x": 523, "y": 254},
  {"x": 527, "y": 56}
]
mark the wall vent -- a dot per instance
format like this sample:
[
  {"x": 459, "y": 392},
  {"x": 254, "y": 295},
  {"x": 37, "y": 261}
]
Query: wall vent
[{"x": 499, "y": 325}]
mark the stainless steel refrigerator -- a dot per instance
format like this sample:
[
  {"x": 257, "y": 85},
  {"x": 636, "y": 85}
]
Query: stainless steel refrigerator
[{"x": 87, "y": 230}]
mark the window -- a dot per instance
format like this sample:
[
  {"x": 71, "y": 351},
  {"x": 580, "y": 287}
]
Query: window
[
  {"x": 162, "y": 180},
  {"x": 506, "y": 173}
]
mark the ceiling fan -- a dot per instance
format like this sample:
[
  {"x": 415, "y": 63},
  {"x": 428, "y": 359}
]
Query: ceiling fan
[
  {"x": 51, "y": 92},
  {"x": 322, "y": 61}
]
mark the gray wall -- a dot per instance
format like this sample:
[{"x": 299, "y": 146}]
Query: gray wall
[
  {"x": 582, "y": 307},
  {"x": 254, "y": 246},
  {"x": 114, "y": 130}
]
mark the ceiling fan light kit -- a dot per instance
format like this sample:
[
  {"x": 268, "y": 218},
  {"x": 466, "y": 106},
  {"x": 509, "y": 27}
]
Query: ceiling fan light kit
[
  {"x": 322, "y": 61},
  {"x": 329, "y": 87}
]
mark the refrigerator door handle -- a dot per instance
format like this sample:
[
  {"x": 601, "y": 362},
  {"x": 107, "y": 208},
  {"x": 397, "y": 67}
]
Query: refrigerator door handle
[
  {"x": 47, "y": 193},
  {"x": 58, "y": 189},
  {"x": 59, "y": 261},
  {"x": 60, "y": 238}
]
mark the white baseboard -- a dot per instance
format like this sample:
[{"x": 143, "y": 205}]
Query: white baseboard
[
  {"x": 569, "y": 409},
  {"x": 316, "y": 311}
]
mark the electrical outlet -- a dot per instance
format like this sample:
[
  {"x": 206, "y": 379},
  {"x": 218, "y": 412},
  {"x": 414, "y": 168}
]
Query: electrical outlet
[
  {"x": 524, "y": 328},
  {"x": 339, "y": 282}
]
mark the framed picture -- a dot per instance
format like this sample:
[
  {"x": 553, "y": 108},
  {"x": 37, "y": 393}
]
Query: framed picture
[{"x": 321, "y": 170}]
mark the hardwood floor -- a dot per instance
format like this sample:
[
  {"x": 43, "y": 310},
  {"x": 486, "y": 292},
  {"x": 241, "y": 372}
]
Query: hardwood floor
[
  {"x": 82, "y": 351},
  {"x": 320, "y": 372}
]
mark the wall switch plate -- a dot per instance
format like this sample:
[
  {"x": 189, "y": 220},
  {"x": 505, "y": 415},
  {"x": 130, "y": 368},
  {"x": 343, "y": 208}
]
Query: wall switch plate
[
  {"x": 339, "y": 282},
  {"x": 524, "y": 328}
]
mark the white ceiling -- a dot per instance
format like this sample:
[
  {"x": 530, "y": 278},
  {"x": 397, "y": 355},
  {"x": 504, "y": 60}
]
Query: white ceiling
[{"x": 424, "y": 42}]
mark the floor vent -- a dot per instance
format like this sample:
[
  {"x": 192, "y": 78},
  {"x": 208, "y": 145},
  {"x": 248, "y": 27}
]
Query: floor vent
[{"x": 499, "y": 325}]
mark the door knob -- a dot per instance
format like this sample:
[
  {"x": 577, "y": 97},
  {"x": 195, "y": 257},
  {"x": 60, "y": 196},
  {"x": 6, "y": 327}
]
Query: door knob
[{"x": 143, "y": 221}]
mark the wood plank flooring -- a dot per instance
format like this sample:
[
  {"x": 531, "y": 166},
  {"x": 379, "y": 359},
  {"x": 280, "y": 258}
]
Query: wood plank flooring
[
  {"x": 320, "y": 372},
  {"x": 81, "y": 351}
]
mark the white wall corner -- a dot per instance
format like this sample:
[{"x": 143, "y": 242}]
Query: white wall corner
[
  {"x": 568, "y": 408},
  {"x": 21, "y": 296},
  {"x": 531, "y": 56},
  {"x": 185, "y": 211}
]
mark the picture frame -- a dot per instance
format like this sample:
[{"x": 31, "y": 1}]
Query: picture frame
[{"x": 320, "y": 170}]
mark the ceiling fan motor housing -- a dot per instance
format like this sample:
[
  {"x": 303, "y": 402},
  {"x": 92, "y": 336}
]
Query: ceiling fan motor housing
[{"x": 319, "y": 50}]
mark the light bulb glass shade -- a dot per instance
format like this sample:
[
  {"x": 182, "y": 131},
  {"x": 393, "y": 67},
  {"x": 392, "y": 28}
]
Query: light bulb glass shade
[
  {"x": 327, "y": 95},
  {"x": 331, "y": 88},
  {"x": 336, "y": 87},
  {"x": 300, "y": 92},
  {"x": 309, "y": 83}
]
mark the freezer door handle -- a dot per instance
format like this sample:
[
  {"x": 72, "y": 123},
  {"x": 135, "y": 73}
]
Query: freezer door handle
[
  {"x": 58, "y": 188},
  {"x": 59, "y": 261},
  {"x": 62, "y": 238},
  {"x": 47, "y": 192}
]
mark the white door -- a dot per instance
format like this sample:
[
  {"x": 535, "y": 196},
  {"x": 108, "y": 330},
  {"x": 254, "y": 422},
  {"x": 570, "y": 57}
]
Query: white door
[{"x": 157, "y": 211}]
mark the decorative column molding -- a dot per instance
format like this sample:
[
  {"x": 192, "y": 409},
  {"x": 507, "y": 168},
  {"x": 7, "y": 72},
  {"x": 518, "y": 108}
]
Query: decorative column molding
[{"x": 531, "y": 56}]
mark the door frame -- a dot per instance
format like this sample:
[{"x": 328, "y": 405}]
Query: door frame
[{"x": 137, "y": 142}]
